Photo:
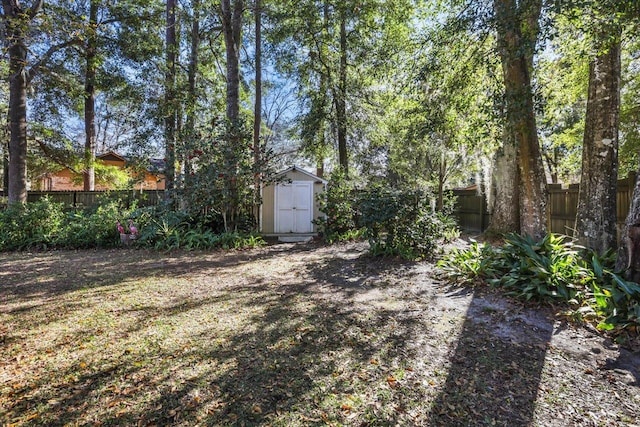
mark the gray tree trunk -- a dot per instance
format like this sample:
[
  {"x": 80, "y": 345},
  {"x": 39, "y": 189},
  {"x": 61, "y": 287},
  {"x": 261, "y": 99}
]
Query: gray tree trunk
[
  {"x": 192, "y": 96},
  {"x": 257, "y": 113},
  {"x": 505, "y": 216},
  {"x": 16, "y": 20},
  {"x": 90, "y": 99},
  {"x": 341, "y": 98},
  {"x": 232, "y": 29},
  {"x": 170, "y": 107},
  {"x": 516, "y": 41},
  {"x": 596, "y": 219}
]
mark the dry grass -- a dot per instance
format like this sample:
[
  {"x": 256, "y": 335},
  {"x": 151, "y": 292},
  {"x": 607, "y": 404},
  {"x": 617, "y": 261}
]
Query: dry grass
[{"x": 286, "y": 335}]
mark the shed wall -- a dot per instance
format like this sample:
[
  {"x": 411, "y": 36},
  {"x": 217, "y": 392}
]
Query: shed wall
[{"x": 269, "y": 207}]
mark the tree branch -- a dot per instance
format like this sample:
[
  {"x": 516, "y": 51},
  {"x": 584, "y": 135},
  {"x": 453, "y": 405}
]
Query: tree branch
[
  {"x": 47, "y": 56},
  {"x": 35, "y": 8}
]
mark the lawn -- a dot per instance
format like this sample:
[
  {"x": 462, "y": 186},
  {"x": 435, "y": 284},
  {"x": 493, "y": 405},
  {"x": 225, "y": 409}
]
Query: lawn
[{"x": 289, "y": 335}]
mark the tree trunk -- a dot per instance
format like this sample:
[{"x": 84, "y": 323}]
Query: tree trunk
[
  {"x": 505, "y": 215},
  {"x": 232, "y": 29},
  {"x": 5, "y": 163},
  {"x": 170, "y": 107},
  {"x": 192, "y": 97},
  {"x": 16, "y": 22},
  {"x": 90, "y": 99},
  {"x": 257, "y": 114},
  {"x": 516, "y": 47},
  {"x": 232, "y": 26},
  {"x": 341, "y": 99},
  {"x": 596, "y": 219}
]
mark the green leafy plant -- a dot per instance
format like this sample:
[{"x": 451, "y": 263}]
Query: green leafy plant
[
  {"x": 31, "y": 226},
  {"x": 553, "y": 270},
  {"x": 337, "y": 203},
  {"x": 402, "y": 223}
]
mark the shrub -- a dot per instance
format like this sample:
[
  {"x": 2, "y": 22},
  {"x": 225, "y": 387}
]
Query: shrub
[
  {"x": 31, "y": 226},
  {"x": 44, "y": 224},
  {"x": 337, "y": 203},
  {"x": 403, "y": 223},
  {"x": 552, "y": 270}
]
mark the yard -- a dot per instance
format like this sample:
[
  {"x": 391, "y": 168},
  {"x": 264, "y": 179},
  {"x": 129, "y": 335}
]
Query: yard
[{"x": 290, "y": 334}]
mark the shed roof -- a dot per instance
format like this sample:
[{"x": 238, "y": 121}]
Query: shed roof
[{"x": 295, "y": 168}]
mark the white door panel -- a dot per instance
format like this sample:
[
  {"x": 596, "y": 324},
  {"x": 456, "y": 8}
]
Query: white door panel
[{"x": 294, "y": 208}]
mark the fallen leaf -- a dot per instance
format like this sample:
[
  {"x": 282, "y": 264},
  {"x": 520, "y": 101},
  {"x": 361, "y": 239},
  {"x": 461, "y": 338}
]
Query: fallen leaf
[
  {"x": 391, "y": 380},
  {"x": 256, "y": 409}
]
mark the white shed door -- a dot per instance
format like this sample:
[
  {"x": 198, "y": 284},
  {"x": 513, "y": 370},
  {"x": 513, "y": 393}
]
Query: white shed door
[{"x": 294, "y": 208}]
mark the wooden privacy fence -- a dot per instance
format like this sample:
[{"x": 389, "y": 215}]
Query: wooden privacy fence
[
  {"x": 473, "y": 214},
  {"x": 87, "y": 199}
]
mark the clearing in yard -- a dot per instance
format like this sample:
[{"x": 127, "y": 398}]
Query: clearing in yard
[{"x": 289, "y": 335}]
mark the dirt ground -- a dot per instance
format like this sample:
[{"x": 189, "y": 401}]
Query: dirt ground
[{"x": 290, "y": 334}]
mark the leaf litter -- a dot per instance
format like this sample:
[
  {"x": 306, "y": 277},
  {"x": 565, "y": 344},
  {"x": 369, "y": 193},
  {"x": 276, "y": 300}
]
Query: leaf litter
[{"x": 290, "y": 334}]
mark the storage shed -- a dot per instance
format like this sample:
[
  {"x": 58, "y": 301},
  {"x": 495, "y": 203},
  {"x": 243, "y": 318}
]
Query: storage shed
[{"x": 290, "y": 205}]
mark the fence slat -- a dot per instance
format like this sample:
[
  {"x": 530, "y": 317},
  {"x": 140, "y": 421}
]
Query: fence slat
[{"x": 472, "y": 213}]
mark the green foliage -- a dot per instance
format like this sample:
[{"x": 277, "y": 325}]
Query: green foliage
[
  {"x": 45, "y": 225},
  {"x": 612, "y": 299},
  {"x": 337, "y": 203},
  {"x": 552, "y": 270},
  {"x": 31, "y": 226},
  {"x": 163, "y": 229},
  {"x": 221, "y": 178},
  {"x": 94, "y": 228},
  {"x": 402, "y": 223}
]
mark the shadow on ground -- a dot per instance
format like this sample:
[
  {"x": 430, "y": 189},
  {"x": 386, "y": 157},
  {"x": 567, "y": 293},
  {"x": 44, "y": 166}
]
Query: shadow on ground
[{"x": 492, "y": 379}]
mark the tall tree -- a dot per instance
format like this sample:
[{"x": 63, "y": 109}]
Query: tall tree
[
  {"x": 517, "y": 32},
  {"x": 17, "y": 21},
  {"x": 170, "y": 109},
  {"x": 91, "y": 47},
  {"x": 257, "y": 112},
  {"x": 231, "y": 14},
  {"x": 340, "y": 97},
  {"x": 597, "y": 206}
]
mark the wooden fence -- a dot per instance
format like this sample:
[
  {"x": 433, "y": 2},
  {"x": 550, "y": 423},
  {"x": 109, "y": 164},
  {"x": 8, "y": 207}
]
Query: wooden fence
[
  {"x": 473, "y": 215},
  {"x": 87, "y": 199}
]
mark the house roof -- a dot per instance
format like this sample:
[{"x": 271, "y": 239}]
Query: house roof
[
  {"x": 111, "y": 155},
  {"x": 295, "y": 168}
]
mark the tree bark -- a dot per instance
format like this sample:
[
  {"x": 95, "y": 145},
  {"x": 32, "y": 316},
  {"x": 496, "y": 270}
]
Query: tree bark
[
  {"x": 505, "y": 216},
  {"x": 90, "y": 99},
  {"x": 516, "y": 41},
  {"x": 232, "y": 27},
  {"x": 192, "y": 97},
  {"x": 16, "y": 21},
  {"x": 257, "y": 114},
  {"x": 5, "y": 163},
  {"x": 341, "y": 98},
  {"x": 170, "y": 107},
  {"x": 596, "y": 218}
]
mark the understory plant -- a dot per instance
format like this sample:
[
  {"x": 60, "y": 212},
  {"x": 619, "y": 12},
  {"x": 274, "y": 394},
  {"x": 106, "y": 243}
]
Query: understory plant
[
  {"x": 403, "y": 223},
  {"x": 44, "y": 224},
  {"x": 339, "y": 207},
  {"x": 552, "y": 270}
]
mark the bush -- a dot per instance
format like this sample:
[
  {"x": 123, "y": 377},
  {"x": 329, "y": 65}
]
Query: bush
[
  {"x": 551, "y": 270},
  {"x": 403, "y": 223},
  {"x": 45, "y": 225},
  {"x": 167, "y": 230},
  {"x": 31, "y": 226},
  {"x": 337, "y": 202}
]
